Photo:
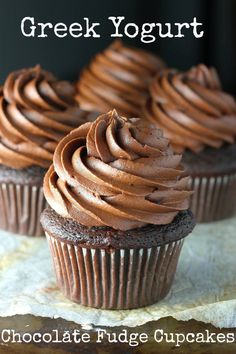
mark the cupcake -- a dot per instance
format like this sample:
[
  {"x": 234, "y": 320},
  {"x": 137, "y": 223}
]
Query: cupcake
[
  {"x": 36, "y": 111},
  {"x": 118, "y": 213},
  {"x": 118, "y": 77},
  {"x": 200, "y": 119}
]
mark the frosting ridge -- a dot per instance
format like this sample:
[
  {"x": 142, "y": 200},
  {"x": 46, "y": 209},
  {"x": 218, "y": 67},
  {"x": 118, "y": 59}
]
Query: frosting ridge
[
  {"x": 116, "y": 172},
  {"x": 192, "y": 109},
  {"x": 117, "y": 77},
  {"x": 36, "y": 111}
]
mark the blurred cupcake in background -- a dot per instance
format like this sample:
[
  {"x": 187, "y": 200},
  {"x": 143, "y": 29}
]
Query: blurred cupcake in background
[
  {"x": 36, "y": 111},
  {"x": 117, "y": 77},
  {"x": 200, "y": 120}
]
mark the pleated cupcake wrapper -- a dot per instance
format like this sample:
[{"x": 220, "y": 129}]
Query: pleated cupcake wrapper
[
  {"x": 21, "y": 206},
  {"x": 114, "y": 279},
  {"x": 214, "y": 198}
]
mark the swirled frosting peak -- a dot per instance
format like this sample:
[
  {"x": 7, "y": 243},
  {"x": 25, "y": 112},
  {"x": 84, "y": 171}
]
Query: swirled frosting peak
[
  {"x": 116, "y": 172},
  {"x": 192, "y": 109},
  {"x": 118, "y": 77},
  {"x": 36, "y": 111}
]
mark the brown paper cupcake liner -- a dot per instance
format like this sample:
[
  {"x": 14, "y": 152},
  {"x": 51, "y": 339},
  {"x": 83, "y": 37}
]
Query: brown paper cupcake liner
[
  {"x": 214, "y": 197},
  {"x": 116, "y": 278},
  {"x": 21, "y": 206}
]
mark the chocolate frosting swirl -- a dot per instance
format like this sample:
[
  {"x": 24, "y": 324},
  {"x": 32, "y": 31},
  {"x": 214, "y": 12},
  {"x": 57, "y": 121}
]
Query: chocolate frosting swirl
[
  {"x": 192, "y": 109},
  {"x": 118, "y": 77},
  {"x": 36, "y": 111},
  {"x": 116, "y": 172}
]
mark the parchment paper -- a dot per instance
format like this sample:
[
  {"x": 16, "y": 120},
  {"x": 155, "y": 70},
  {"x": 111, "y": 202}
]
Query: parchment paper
[{"x": 204, "y": 288}]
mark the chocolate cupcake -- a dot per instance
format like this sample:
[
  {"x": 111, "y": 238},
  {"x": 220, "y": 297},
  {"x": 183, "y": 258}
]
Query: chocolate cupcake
[
  {"x": 118, "y": 77},
  {"x": 200, "y": 120},
  {"x": 118, "y": 213},
  {"x": 36, "y": 111}
]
